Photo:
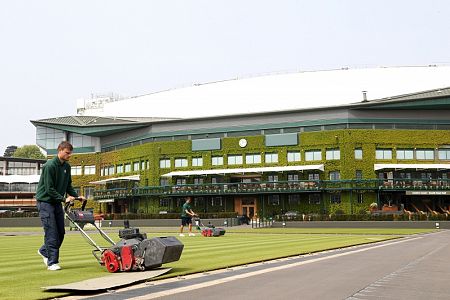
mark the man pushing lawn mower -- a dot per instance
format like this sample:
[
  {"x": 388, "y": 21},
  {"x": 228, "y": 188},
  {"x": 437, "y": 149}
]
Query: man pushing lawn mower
[
  {"x": 55, "y": 183},
  {"x": 186, "y": 217}
]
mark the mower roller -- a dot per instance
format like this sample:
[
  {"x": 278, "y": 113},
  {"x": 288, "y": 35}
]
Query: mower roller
[{"x": 134, "y": 252}]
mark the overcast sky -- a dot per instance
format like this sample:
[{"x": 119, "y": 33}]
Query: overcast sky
[{"x": 53, "y": 52}]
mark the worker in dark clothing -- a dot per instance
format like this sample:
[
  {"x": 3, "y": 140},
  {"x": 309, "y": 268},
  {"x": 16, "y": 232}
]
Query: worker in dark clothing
[
  {"x": 55, "y": 186},
  {"x": 186, "y": 217}
]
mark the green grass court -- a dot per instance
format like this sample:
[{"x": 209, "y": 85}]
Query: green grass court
[{"x": 23, "y": 274}]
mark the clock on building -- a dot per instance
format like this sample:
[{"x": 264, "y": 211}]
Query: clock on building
[{"x": 242, "y": 143}]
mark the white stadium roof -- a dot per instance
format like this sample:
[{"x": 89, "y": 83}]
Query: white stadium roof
[{"x": 275, "y": 92}]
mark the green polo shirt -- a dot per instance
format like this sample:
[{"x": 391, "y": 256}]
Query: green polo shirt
[
  {"x": 186, "y": 206},
  {"x": 55, "y": 182}
]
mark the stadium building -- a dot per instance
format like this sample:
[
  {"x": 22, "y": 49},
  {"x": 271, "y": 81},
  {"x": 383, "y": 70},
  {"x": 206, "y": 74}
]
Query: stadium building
[
  {"x": 319, "y": 158},
  {"x": 18, "y": 182}
]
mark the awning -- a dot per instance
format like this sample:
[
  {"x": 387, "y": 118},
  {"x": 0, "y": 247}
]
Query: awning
[
  {"x": 124, "y": 178},
  {"x": 244, "y": 170},
  {"x": 411, "y": 166},
  {"x": 19, "y": 178}
]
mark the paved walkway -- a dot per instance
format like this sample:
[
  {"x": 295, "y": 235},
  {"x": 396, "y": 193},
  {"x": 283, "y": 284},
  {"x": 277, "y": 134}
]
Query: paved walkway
[{"x": 416, "y": 267}]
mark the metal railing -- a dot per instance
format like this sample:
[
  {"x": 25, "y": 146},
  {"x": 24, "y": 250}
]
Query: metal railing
[{"x": 275, "y": 187}]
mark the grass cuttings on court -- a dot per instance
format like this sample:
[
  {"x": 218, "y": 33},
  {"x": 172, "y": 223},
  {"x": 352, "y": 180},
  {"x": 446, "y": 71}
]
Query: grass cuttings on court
[{"x": 23, "y": 274}]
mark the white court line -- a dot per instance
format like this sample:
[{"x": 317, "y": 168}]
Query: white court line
[{"x": 259, "y": 272}]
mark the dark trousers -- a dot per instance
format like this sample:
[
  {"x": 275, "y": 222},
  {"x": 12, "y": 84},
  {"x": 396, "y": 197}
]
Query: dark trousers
[{"x": 52, "y": 219}]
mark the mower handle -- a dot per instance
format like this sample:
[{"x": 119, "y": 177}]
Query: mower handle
[{"x": 70, "y": 203}]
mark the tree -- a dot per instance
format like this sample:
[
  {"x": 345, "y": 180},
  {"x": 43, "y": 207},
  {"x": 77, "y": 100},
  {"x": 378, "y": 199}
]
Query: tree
[
  {"x": 29, "y": 151},
  {"x": 10, "y": 151}
]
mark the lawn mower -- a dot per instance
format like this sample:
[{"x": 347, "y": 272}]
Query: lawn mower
[
  {"x": 134, "y": 252},
  {"x": 209, "y": 230}
]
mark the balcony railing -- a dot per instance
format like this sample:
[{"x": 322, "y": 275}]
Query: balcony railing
[
  {"x": 415, "y": 184},
  {"x": 301, "y": 186}
]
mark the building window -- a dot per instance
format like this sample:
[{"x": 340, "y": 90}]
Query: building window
[
  {"x": 360, "y": 198},
  {"x": 253, "y": 158},
  {"x": 333, "y": 154},
  {"x": 313, "y": 155},
  {"x": 89, "y": 170},
  {"x": 335, "y": 198},
  {"x": 272, "y": 178},
  {"x": 359, "y": 175},
  {"x": 164, "y": 163},
  {"x": 181, "y": 162},
  {"x": 444, "y": 154},
  {"x": 88, "y": 192},
  {"x": 293, "y": 156},
  {"x": 164, "y": 202},
  {"x": 383, "y": 154},
  {"x": 198, "y": 180},
  {"x": 292, "y": 177},
  {"x": 314, "y": 198},
  {"x": 198, "y": 201},
  {"x": 216, "y": 201},
  {"x": 313, "y": 176},
  {"x": 216, "y": 179},
  {"x": 105, "y": 171},
  {"x": 145, "y": 164},
  {"x": 127, "y": 167},
  {"x": 164, "y": 182},
  {"x": 405, "y": 175},
  {"x": 119, "y": 169},
  {"x": 75, "y": 170},
  {"x": 49, "y": 138},
  {"x": 217, "y": 160},
  {"x": 271, "y": 158},
  {"x": 425, "y": 154},
  {"x": 235, "y": 159},
  {"x": 136, "y": 166},
  {"x": 335, "y": 175},
  {"x": 425, "y": 176},
  {"x": 79, "y": 140},
  {"x": 197, "y": 161},
  {"x": 405, "y": 154},
  {"x": 111, "y": 170},
  {"x": 21, "y": 187},
  {"x": 274, "y": 199},
  {"x": 181, "y": 181},
  {"x": 19, "y": 168},
  {"x": 358, "y": 153},
  {"x": 294, "y": 199}
]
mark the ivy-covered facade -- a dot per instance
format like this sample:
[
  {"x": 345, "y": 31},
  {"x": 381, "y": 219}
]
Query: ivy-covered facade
[{"x": 335, "y": 160}]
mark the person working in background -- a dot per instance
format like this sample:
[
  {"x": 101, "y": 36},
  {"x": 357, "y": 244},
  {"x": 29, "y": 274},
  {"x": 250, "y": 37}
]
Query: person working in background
[{"x": 186, "y": 217}]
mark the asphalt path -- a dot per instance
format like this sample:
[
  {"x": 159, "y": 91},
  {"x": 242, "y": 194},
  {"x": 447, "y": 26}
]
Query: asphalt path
[{"x": 415, "y": 267}]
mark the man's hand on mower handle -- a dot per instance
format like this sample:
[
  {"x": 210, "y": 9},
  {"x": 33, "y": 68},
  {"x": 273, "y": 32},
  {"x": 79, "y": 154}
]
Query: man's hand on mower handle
[{"x": 72, "y": 199}]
